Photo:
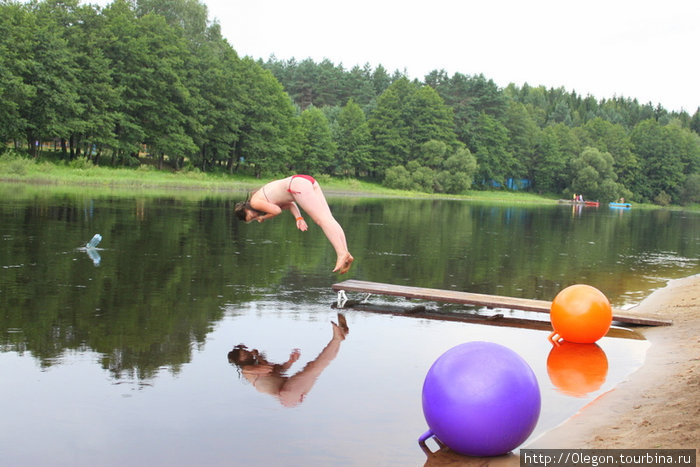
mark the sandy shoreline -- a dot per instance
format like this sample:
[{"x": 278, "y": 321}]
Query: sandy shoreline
[{"x": 656, "y": 407}]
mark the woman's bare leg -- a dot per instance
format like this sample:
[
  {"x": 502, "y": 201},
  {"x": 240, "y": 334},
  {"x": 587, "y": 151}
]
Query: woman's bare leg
[{"x": 311, "y": 199}]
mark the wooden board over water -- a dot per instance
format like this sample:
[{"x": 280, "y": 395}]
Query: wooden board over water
[
  {"x": 497, "y": 319},
  {"x": 467, "y": 298}
]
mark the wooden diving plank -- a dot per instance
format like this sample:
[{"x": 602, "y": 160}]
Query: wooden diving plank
[
  {"x": 493, "y": 320},
  {"x": 468, "y": 298}
]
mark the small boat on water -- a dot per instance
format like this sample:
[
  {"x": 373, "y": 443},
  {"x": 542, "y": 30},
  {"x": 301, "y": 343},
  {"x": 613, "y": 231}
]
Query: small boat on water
[
  {"x": 579, "y": 203},
  {"x": 620, "y": 205}
]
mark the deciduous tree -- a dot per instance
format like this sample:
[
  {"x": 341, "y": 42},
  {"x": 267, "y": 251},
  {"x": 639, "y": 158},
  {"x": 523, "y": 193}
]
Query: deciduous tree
[{"x": 353, "y": 141}]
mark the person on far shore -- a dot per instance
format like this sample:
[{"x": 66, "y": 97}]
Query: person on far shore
[{"x": 284, "y": 194}]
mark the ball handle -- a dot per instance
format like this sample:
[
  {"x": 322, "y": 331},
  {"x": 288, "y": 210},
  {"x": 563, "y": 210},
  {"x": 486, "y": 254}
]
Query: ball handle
[
  {"x": 425, "y": 437},
  {"x": 555, "y": 338}
]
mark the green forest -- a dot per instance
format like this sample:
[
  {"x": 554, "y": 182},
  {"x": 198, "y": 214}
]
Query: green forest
[{"x": 154, "y": 82}]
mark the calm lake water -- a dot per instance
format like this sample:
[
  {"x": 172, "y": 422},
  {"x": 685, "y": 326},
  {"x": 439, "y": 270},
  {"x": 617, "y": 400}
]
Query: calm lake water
[{"x": 119, "y": 356}]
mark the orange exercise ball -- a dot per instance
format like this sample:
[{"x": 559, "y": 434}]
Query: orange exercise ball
[
  {"x": 581, "y": 313},
  {"x": 577, "y": 369}
]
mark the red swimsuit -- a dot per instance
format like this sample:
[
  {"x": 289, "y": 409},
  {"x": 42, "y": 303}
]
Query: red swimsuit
[{"x": 307, "y": 177}]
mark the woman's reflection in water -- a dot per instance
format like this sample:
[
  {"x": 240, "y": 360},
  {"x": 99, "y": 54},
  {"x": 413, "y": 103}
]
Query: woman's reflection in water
[{"x": 270, "y": 378}]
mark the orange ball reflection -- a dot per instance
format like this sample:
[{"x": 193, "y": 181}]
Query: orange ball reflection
[
  {"x": 581, "y": 313},
  {"x": 577, "y": 369}
]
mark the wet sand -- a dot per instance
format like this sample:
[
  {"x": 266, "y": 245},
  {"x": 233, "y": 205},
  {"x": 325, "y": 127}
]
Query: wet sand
[{"x": 656, "y": 407}]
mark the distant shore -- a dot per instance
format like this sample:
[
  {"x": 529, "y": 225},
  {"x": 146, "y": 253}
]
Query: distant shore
[
  {"x": 147, "y": 180},
  {"x": 104, "y": 181}
]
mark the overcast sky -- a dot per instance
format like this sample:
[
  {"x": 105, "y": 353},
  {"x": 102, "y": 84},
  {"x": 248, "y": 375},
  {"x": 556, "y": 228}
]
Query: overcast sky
[{"x": 638, "y": 49}]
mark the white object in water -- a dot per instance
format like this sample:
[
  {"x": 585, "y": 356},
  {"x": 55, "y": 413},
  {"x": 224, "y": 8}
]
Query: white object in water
[{"x": 95, "y": 240}]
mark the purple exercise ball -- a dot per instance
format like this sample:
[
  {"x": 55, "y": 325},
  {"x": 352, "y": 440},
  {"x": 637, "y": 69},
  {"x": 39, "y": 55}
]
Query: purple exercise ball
[{"x": 481, "y": 399}]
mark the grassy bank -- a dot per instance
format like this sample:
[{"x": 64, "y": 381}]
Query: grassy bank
[{"x": 83, "y": 177}]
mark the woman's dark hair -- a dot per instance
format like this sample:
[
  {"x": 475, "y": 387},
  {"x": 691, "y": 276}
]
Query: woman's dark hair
[
  {"x": 240, "y": 208},
  {"x": 240, "y": 355}
]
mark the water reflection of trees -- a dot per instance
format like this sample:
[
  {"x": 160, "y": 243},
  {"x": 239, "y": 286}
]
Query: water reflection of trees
[
  {"x": 169, "y": 267},
  {"x": 146, "y": 305}
]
